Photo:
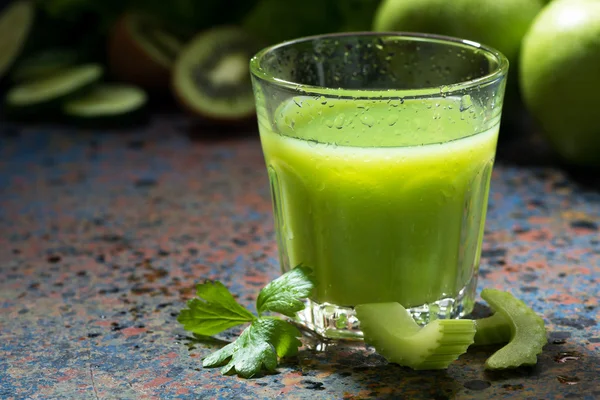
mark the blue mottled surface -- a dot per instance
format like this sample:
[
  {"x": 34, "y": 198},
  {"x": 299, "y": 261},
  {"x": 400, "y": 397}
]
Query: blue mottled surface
[{"x": 104, "y": 234}]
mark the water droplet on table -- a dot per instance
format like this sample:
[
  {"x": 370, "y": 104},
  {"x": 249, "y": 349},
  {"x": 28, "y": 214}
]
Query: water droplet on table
[
  {"x": 568, "y": 380},
  {"x": 477, "y": 384},
  {"x": 565, "y": 356}
]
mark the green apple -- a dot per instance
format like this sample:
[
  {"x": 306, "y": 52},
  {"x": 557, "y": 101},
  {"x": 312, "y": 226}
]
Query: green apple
[
  {"x": 560, "y": 77},
  {"x": 497, "y": 23}
]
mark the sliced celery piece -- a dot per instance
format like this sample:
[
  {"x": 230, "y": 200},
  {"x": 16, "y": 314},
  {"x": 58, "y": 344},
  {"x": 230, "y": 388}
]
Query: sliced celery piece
[
  {"x": 492, "y": 330},
  {"x": 528, "y": 332},
  {"x": 395, "y": 335}
]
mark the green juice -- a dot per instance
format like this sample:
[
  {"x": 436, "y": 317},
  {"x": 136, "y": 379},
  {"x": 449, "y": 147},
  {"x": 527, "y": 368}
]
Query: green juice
[{"x": 384, "y": 199}]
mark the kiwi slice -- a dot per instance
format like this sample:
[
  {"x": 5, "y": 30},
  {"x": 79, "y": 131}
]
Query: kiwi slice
[
  {"x": 142, "y": 51},
  {"x": 48, "y": 93},
  {"x": 107, "y": 105},
  {"x": 15, "y": 24},
  {"x": 212, "y": 78}
]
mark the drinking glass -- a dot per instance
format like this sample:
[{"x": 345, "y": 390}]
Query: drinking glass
[{"x": 379, "y": 149}]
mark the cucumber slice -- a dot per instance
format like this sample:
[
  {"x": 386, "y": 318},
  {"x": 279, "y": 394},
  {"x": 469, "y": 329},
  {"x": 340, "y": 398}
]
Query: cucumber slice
[
  {"x": 43, "y": 64},
  {"x": 492, "y": 330},
  {"x": 393, "y": 332},
  {"x": 51, "y": 91},
  {"x": 107, "y": 103},
  {"x": 15, "y": 24},
  {"x": 528, "y": 333}
]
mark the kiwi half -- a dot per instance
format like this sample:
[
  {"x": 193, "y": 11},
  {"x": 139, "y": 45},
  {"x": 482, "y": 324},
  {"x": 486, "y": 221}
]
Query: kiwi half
[
  {"x": 16, "y": 21},
  {"x": 142, "y": 51},
  {"x": 211, "y": 77}
]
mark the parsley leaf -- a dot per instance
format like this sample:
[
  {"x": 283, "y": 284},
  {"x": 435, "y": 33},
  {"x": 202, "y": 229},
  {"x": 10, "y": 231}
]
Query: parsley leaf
[
  {"x": 266, "y": 338},
  {"x": 284, "y": 294},
  {"x": 257, "y": 347},
  {"x": 213, "y": 311}
]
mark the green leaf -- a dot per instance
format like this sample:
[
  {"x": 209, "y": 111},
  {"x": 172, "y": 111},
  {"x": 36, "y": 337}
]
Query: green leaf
[
  {"x": 284, "y": 295},
  {"x": 257, "y": 348},
  {"x": 219, "y": 357},
  {"x": 281, "y": 334},
  {"x": 213, "y": 311}
]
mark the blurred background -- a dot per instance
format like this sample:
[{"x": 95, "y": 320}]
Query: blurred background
[{"x": 111, "y": 63}]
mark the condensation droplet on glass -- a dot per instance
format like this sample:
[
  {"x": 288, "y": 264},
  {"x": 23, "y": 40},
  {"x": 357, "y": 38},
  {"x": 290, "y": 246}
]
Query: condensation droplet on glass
[
  {"x": 323, "y": 100},
  {"x": 397, "y": 103},
  {"x": 329, "y": 123},
  {"x": 299, "y": 104},
  {"x": 392, "y": 119},
  {"x": 339, "y": 121},
  {"x": 449, "y": 191},
  {"x": 367, "y": 120},
  {"x": 444, "y": 90}
]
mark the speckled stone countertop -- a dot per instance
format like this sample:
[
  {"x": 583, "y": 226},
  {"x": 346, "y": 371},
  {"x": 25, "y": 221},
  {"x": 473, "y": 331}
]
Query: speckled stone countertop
[{"x": 103, "y": 236}]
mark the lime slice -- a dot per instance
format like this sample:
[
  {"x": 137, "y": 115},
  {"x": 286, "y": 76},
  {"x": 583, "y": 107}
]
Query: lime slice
[
  {"x": 15, "y": 24},
  {"x": 43, "y": 64},
  {"x": 105, "y": 104},
  {"x": 53, "y": 90},
  {"x": 107, "y": 100}
]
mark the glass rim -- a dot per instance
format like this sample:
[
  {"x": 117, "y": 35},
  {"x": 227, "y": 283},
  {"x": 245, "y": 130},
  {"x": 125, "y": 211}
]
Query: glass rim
[{"x": 496, "y": 74}]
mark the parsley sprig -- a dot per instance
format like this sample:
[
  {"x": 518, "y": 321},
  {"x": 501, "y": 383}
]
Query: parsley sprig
[{"x": 266, "y": 339}]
